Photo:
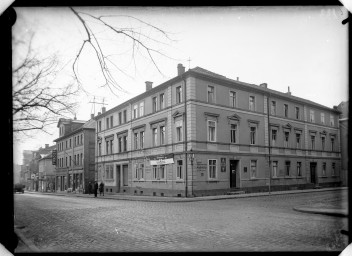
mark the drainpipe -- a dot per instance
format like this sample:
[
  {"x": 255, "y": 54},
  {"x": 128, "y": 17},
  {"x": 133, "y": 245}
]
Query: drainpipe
[
  {"x": 269, "y": 142},
  {"x": 186, "y": 155}
]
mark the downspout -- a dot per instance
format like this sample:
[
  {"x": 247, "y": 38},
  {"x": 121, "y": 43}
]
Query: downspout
[
  {"x": 186, "y": 154},
  {"x": 267, "y": 106}
]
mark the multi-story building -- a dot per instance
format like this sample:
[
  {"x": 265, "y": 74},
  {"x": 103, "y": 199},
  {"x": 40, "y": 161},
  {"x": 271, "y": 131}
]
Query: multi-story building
[
  {"x": 201, "y": 133},
  {"x": 75, "y": 155},
  {"x": 25, "y": 172},
  {"x": 46, "y": 173},
  {"x": 343, "y": 107}
]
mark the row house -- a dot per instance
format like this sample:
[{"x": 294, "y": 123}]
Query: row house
[
  {"x": 201, "y": 133},
  {"x": 75, "y": 155}
]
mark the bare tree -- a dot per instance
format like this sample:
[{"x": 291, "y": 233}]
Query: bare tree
[
  {"x": 141, "y": 37},
  {"x": 37, "y": 102}
]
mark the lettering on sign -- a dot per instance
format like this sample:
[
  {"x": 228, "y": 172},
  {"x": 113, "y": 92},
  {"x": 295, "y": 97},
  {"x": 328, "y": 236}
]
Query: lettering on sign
[{"x": 201, "y": 167}]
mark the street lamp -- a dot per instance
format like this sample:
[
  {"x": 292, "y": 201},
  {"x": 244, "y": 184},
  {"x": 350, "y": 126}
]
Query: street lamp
[{"x": 191, "y": 158}]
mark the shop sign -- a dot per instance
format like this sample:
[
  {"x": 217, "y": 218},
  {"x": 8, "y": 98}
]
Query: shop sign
[
  {"x": 162, "y": 161},
  {"x": 201, "y": 167}
]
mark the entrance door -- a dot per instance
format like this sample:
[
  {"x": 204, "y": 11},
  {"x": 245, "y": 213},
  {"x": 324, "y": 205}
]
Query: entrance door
[
  {"x": 125, "y": 175},
  {"x": 118, "y": 171},
  {"x": 313, "y": 167},
  {"x": 233, "y": 173}
]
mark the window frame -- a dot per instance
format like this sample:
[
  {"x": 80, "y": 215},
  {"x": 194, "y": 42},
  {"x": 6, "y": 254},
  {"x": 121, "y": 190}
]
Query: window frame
[
  {"x": 233, "y": 100},
  {"x": 211, "y": 94},
  {"x": 252, "y": 106},
  {"x": 179, "y": 169},
  {"x": 210, "y": 129},
  {"x": 255, "y": 168},
  {"x": 212, "y": 169},
  {"x": 233, "y": 133},
  {"x": 179, "y": 94}
]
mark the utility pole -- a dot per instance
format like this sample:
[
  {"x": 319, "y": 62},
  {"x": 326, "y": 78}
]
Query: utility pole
[{"x": 96, "y": 102}]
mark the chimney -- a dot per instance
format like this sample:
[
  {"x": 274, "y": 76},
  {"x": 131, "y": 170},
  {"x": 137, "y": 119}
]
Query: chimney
[
  {"x": 180, "y": 69},
  {"x": 288, "y": 91},
  {"x": 103, "y": 109},
  {"x": 264, "y": 85},
  {"x": 75, "y": 118},
  {"x": 237, "y": 78},
  {"x": 99, "y": 113},
  {"x": 91, "y": 116},
  {"x": 46, "y": 145},
  {"x": 148, "y": 85}
]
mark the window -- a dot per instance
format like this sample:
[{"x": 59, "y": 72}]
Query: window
[
  {"x": 155, "y": 137},
  {"x": 323, "y": 143},
  {"x": 109, "y": 172},
  {"x": 162, "y": 135},
  {"x": 322, "y": 118},
  {"x": 297, "y": 113},
  {"x": 211, "y": 98},
  {"x": 155, "y": 106},
  {"x": 70, "y": 161},
  {"x": 99, "y": 148},
  {"x": 124, "y": 143},
  {"x": 81, "y": 138},
  {"x": 286, "y": 139},
  {"x": 298, "y": 140},
  {"x": 286, "y": 110},
  {"x": 141, "y": 140},
  {"x": 251, "y": 103},
  {"x": 66, "y": 162},
  {"x": 66, "y": 144},
  {"x": 332, "y": 121},
  {"x": 107, "y": 147},
  {"x": 233, "y": 133},
  {"x": 179, "y": 132},
  {"x": 78, "y": 140},
  {"x": 107, "y": 123},
  {"x": 111, "y": 121},
  {"x": 312, "y": 139},
  {"x": 75, "y": 163},
  {"x": 333, "y": 169},
  {"x": 111, "y": 146},
  {"x": 141, "y": 171},
  {"x": 125, "y": 116},
  {"x": 81, "y": 158},
  {"x": 275, "y": 169},
  {"x": 299, "y": 166},
  {"x": 179, "y": 174},
  {"x": 332, "y": 144},
  {"x": 99, "y": 126},
  {"x": 136, "y": 171},
  {"x": 70, "y": 143},
  {"x": 311, "y": 114},
  {"x": 233, "y": 99},
  {"x": 141, "y": 109},
  {"x": 178, "y": 94},
  {"x": 136, "y": 140},
  {"x": 252, "y": 135},
  {"x": 120, "y": 144},
  {"x": 120, "y": 118},
  {"x": 273, "y": 108},
  {"x": 273, "y": 137},
  {"x": 287, "y": 168},
  {"x": 212, "y": 169},
  {"x": 135, "y": 111},
  {"x": 211, "y": 131},
  {"x": 78, "y": 159},
  {"x": 162, "y": 101},
  {"x": 324, "y": 170},
  {"x": 158, "y": 172},
  {"x": 253, "y": 168}
]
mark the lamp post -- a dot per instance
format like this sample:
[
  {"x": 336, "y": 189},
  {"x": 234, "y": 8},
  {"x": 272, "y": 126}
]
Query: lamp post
[{"x": 191, "y": 159}]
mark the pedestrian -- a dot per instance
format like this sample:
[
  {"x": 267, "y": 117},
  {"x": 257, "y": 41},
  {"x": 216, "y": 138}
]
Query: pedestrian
[
  {"x": 101, "y": 188},
  {"x": 95, "y": 189},
  {"x": 89, "y": 188}
]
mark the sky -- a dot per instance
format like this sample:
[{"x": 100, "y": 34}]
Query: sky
[{"x": 305, "y": 48}]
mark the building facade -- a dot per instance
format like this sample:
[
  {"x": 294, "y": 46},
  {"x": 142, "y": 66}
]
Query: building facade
[
  {"x": 75, "y": 155},
  {"x": 46, "y": 174},
  {"x": 343, "y": 107},
  {"x": 201, "y": 133}
]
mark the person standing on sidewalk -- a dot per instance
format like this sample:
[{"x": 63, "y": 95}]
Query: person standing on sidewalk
[
  {"x": 101, "y": 188},
  {"x": 89, "y": 188},
  {"x": 95, "y": 189}
]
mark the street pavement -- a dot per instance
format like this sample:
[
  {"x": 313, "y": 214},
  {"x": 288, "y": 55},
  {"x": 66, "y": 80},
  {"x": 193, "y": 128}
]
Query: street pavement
[{"x": 79, "y": 223}]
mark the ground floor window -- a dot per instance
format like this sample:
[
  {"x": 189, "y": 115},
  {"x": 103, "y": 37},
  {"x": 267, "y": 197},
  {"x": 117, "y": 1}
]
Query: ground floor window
[
  {"x": 275, "y": 163},
  {"x": 109, "y": 171},
  {"x": 299, "y": 168},
  {"x": 253, "y": 168},
  {"x": 324, "y": 170},
  {"x": 287, "y": 168},
  {"x": 179, "y": 174},
  {"x": 158, "y": 172},
  {"x": 212, "y": 168},
  {"x": 333, "y": 169}
]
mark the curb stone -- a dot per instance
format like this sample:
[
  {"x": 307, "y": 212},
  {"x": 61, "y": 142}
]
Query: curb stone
[{"x": 26, "y": 241}]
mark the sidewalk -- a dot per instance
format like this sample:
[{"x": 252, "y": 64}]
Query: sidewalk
[{"x": 183, "y": 199}]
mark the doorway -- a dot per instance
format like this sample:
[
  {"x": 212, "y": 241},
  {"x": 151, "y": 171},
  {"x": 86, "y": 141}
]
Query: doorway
[
  {"x": 118, "y": 171},
  {"x": 234, "y": 173},
  {"x": 313, "y": 168}
]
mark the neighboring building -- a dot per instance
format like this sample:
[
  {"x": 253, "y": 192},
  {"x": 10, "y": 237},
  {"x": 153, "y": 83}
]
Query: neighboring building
[
  {"x": 343, "y": 107},
  {"x": 46, "y": 174},
  {"x": 34, "y": 165},
  {"x": 25, "y": 172},
  {"x": 75, "y": 155},
  {"x": 16, "y": 173},
  {"x": 201, "y": 133}
]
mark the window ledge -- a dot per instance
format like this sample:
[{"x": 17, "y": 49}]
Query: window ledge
[
  {"x": 324, "y": 176},
  {"x": 212, "y": 181},
  {"x": 180, "y": 181}
]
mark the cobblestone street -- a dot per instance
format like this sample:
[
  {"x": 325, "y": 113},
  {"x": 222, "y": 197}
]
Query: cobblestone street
[{"x": 71, "y": 224}]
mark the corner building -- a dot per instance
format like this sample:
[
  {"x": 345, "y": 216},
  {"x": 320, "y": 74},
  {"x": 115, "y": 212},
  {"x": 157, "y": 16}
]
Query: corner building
[{"x": 201, "y": 133}]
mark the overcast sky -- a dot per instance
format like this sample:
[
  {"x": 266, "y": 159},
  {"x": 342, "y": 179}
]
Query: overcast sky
[{"x": 305, "y": 48}]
